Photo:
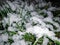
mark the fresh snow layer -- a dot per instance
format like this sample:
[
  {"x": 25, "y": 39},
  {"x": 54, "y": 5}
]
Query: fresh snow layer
[
  {"x": 15, "y": 20},
  {"x": 39, "y": 31}
]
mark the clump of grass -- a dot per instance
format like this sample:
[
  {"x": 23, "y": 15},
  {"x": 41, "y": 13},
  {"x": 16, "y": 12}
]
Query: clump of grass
[{"x": 29, "y": 37}]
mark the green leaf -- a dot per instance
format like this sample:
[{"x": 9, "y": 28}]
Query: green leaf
[
  {"x": 12, "y": 33},
  {"x": 10, "y": 41},
  {"x": 40, "y": 41},
  {"x": 29, "y": 37},
  {"x": 57, "y": 42}
]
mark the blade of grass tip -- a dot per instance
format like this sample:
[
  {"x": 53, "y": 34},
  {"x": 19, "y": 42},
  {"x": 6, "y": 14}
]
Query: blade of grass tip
[
  {"x": 6, "y": 10},
  {"x": 1, "y": 14},
  {"x": 19, "y": 27},
  {"x": 54, "y": 41},
  {"x": 21, "y": 12},
  {"x": 36, "y": 41},
  {"x": 50, "y": 39},
  {"x": 57, "y": 42}
]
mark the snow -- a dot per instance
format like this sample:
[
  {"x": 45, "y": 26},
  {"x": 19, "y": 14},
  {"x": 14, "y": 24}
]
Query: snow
[
  {"x": 49, "y": 14},
  {"x": 0, "y": 38},
  {"x": 13, "y": 24},
  {"x": 13, "y": 18},
  {"x": 1, "y": 43},
  {"x": 39, "y": 30},
  {"x": 24, "y": 43},
  {"x": 24, "y": 12},
  {"x": 29, "y": 8},
  {"x": 28, "y": 25},
  {"x": 48, "y": 19},
  {"x": 37, "y": 20},
  {"x": 50, "y": 26},
  {"x": 16, "y": 43},
  {"x": 11, "y": 29},
  {"x": 13, "y": 7},
  {"x": 45, "y": 42},
  {"x": 55, "y": 38},
  {"x": 34, "y": 13},
  {"x": 4, "y": 37},
  {"x": 5, "y": 21},
  {"x": 21, "y": 42},
  {"x": 52, "y": 9},
  {"x": 56, "y": 24},
  {"x": 42, "y": 4},
  {"x": 15, "y": 37}
]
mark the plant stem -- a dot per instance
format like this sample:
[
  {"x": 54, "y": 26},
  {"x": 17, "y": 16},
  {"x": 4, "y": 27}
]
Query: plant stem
[{"x": 36, "y": 41}]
